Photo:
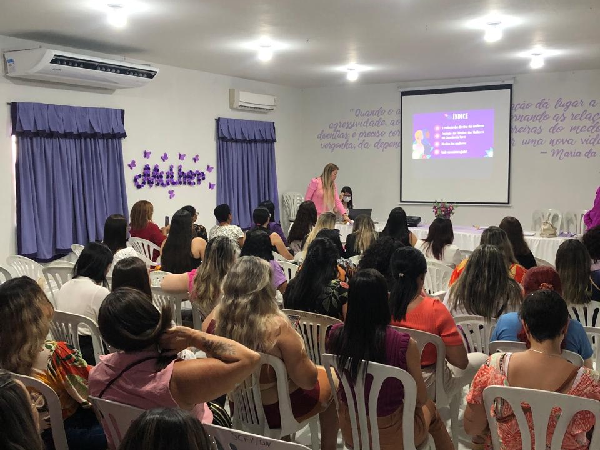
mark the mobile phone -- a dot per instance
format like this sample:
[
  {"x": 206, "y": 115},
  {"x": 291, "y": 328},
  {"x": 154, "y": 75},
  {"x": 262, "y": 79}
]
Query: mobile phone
[{"x": 166, "y": 221}]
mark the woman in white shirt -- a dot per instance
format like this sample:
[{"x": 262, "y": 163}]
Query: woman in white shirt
[
  {"x": 115, "y": 238},
  {"x": 439, "y": 243},
  {"x": 84, "y": 293}
]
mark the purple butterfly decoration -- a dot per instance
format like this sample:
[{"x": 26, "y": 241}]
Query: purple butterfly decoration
[
  {"x": 147, "y": 154},
  {"x": 181, "y": 156},
  {"x": 164, "y": 157},
  {"x": 211, "y": 186},
  {"x": 132, "y": 164},
  {"x": 196, "y": 158},
  {"x": 209, "y": 168},
  {"x": 171, "y": 194}
]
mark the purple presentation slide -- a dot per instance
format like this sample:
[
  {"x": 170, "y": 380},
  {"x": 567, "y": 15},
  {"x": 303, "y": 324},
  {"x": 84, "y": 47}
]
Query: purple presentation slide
[{"x": 453, "y": 134}]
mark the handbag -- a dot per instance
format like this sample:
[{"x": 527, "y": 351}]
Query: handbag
[{"x": 548, "y": 230}]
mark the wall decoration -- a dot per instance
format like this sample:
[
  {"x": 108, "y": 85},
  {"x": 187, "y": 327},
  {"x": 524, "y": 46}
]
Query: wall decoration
[
  {"x": 147, "y": 154},
  {"x": 164, "y": 157},
  {"x": 196, "y": 158},
  {"x": 181, "y": 156},
  {"x": 211, "y": 186},
  {"x": 171, "y": 194},
  {"x": 209, "y": 168},
  {"x": 131, "y": 164}
]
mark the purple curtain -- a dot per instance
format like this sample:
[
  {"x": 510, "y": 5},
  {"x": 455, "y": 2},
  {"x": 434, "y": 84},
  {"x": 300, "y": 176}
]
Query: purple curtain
[
  {"x": 246, "y": 171},
  {"x": 69, "y": 174}
]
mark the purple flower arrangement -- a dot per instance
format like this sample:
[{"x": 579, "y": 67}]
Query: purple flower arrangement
[{"x": 443, "y": 209}]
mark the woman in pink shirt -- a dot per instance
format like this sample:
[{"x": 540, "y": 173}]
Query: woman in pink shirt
[{"x": 322, "y": 191}]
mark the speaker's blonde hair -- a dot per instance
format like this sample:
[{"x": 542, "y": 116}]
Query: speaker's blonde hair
[{"x": 328, "y": 185}]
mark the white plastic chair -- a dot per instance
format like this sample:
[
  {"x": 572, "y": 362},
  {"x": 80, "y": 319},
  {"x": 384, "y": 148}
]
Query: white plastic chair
[
  {"x": 160, "y": 298},
  {"x": 313, "y": 329},
  {"x": 586, "y": 313},
  {"x": 21, "y": 266},
  {"x": 555, "y": 217},
  {"x": 54, "y": 409},
  {"x": 516, "y": 347},
  {"x": 537, "y": 217},
  {"x": 539, "y": 262},
  {"x": 65, "y": 327},
  {"x": 289, "y": 269},
  {"x": 248, "y": 412},
  {"x": 356, "y": 391},
  {"x": 5, "y": 275},
  {"x": 355, "y": 259},
  {"x": 57, "y": 274},
  {"x": 465, "y": 254},
  {"x": 573, "y": 221},
  {"x": 476, "y": 332},
  {"x": 77, "y": 249},
  {"x": 543, "y": 404},
  {"x": 593, "y": 335},
  {"x": 116, "y": 418},
  {"x": 228, "y": 439},
  {"x": 144, "y": 248},
  {"x": 197, "y": 316},
  {"x": 290, "y": 202},
  {"x": 156, "y": 277},
  {"x": 437, "y": 277}
]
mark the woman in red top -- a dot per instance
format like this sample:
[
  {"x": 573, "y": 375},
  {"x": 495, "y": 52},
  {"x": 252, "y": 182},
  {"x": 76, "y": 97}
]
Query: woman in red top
[
  {"x": 411, "y": 309},
  {"x": 142, "y": 226}
]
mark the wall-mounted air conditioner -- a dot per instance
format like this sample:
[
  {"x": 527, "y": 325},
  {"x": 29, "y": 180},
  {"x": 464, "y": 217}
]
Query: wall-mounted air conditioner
[
  {"x": 69, "y": 68},
  {"x": 248, "y": 101}
]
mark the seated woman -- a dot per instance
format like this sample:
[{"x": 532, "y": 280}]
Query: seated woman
[
  {"x": 25, "y": 314},
  {"x": 18, "y": 415},
  {"x": 573, "y": 264},
  {"x": 146, "y": 373},
  {"x": 545, "y": 318},
  {"x": 166, "y": 429},
  {"x": 378, "y": 257},
  {"x": 132, "y": 272},
  {"x": 485, "y": 287},
  {"x": 495, "y": 236},
  {"x": 366, "y": 335},
  {"x": 84, "y": 293},
  {"x": 411, "y": 309},
  {"x": 306, "y": 218},
  {"x": 316, "y": 288},
  {"x": 439, "y": 243},
  {"x": 346, "y": 198},
  {"x": 181, "y": 252},
  {"x": 326, "y": 221},
  {"x": 362, "y": 237},
  {"x": 261, "y": 217},
  {"x": 591, "y": 240},
  {"x": 273, "y": 227},
  {"x": 510, "y": 328},
  {"x": 396, "y": 227},
  {"x": 258, "y": 244},
  {"x": 346, "y": 268},
  {"x": 142, "y": 226},
  {"x": 115, "y": 238},
  {"x": 249, "y": 314},
  {"x": 224, "y": 227},
  {"x": 204, "y": 283},
  {"x": 514, "y": 231},
  {"x": 197, "y": 230}
]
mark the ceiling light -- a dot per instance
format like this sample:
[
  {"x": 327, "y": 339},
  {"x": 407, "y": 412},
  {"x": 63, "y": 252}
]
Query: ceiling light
[
  {"x": 265, "y": 52},
  {"x": 493, "y": 31},
  {"x": 116, "y": 16},
  {"x": 351, "y": 74},
  {"x": 537, "y": 61}
]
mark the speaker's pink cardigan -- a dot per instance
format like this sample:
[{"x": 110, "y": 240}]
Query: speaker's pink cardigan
[{"x": 314, "y": 192}]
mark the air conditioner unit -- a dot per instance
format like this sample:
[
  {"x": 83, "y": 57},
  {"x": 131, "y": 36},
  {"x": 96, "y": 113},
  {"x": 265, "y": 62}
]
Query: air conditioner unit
[
  {"x": 63, "y": 67},
  {"x": 248, "y": 101}
]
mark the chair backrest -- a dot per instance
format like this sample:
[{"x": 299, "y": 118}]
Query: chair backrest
[
  {"x": 5, "y": 275},
  {"x": 465, "y": 254},
  {"x": 116, "y": 418},
  {"x": 144, "y": 248},
  {"x": 355, "y": 259},
  {"x": 57, "y": 274},
  {"x": 593, "y": 335},
  {"x": 156, "y": 277},
  {"x": 515, "y": 347},
  {"x": 573, "y": 221},
  {"x": 289, "y": 269},
  {"x": 228, "y": 439},
  {"x": 64, "y": 327},
  {"x": 437, "y": 276},
  {"x": 543, "y": 405},
  {"x": 197, "y": 316},
  {"x": 586, "y": 313},
  {"x": 475, "y": 332},
  {"x": 54, "y": 409},
  {"x": 537, "y": 217},
  {"x": 22, "y": 266},
  {"x": 356, "y": 391},
  {"x": 543, "y": 263},
  {"x": 160, "y": 298},
  {"x": 555, "y": 217},
  {"x": 313, "y": 329},
  {"x": 77, "y": 249},
  {"x": 422, "y": 338}
]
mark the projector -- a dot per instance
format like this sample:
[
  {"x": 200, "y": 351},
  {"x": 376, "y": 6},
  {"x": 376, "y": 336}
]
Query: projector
[{"x": 413, "y": 221}]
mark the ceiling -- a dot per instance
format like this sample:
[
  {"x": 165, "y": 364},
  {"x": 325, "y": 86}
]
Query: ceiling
[{"x": 396, "y": 40}]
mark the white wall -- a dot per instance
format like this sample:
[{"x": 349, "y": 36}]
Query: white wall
[
  {"x": 538, "y": 180},
  {"x": 175, "y": 113}
]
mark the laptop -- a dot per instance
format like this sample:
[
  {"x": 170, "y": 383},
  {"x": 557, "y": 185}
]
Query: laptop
[{"x": 354, "y": 213}]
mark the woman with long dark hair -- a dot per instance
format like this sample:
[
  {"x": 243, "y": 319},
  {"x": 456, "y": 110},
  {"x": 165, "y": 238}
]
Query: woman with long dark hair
[
  {"x": 514, "y": 231},
  {"x": 573, "y": 264},
  {"x": 366, "y": 335},
  {"x": 273, "y": 226},
  {"x": 316, "y": 287},
  {"x": 115, "y": 238},
  {"x": 133, "y": 273},
  {"x": 362, "y": 237},
  {"x": 261, "y": 217},
  {"x": 258, "y": 244},
  {"x": 305, "y": 220},
  {"x": 439, "y": 243},
  {"x": 182, "y": 252},
  {"x": 591, "y": 240},
  {"x": 378, "y": 257},
  {"x": 396, "y": 227}
]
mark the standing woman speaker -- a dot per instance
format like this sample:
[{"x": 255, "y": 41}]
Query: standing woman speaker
[{"x": 322, "y": 191}]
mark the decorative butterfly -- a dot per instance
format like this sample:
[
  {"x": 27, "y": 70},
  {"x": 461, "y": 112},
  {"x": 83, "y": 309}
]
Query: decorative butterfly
[
  {"x": 209, "y": 168},
  {"x": 147, "y": 154},
  {"x": 132, "y": 164},
  {"x": 196, "y": 158},
  {"x": 211, "y": 186},
  {"x": 164, "y": 157},
  {"x": 181, "y": 156},
  {"x": 171, "y": 194}
]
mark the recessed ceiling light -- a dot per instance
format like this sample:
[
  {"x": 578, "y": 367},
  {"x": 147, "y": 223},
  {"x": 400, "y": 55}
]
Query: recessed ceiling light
[
  {"x": 265, "y": 51},
  {"x": 116, "y": 15},
  {"x": 493, "y": 31},
  {"x": 351, "y": 74},
  {"x": 537, "y": 61}
]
